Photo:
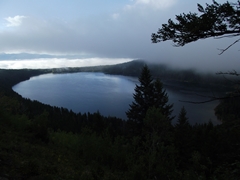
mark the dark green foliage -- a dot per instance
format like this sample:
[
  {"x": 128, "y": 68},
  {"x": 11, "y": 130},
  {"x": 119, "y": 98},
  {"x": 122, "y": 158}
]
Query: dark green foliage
[
  {"x": 161, "y": 100},
  {"x": 39, "y": 127},
  {"x": 183, "y": 139},
  {"x": 157, "y": 124},
  {"x": 215, "y": 20},
  {"x": 182, "y": 119},
  {"x": 228, "y": 110},
  {"x": 143, "y": 97},
  {"x": 160, "y": 154},
  {"x": 9, "y": 78},
  {"x": 38, "y": 141},
  {"x": 149, "y": 93}
]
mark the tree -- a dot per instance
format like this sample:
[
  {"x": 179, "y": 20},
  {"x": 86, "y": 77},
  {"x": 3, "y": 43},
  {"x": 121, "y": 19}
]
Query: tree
[
  {"x": 161, "y": 100},
  {"x": 156, "y": 124},
  {"x": 183, "y": 138},
  {"x": 159, "y": 152},
  {"x": 216, "y": 20},
  {"x": 149, "y": 93},
  {"x": 227, "y": 111},
  {"x": 142, "y": 96},
  {"x": 182, "y": 119}
]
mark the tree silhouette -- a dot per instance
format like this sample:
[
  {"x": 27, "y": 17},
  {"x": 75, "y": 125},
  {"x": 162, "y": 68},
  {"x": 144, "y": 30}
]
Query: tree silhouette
[
  {"x": 182, "y": 118},
  {"x": 142, "y": 97},
  {"x": 149, "y": 93},
  {"x": 216, "y": 20}
]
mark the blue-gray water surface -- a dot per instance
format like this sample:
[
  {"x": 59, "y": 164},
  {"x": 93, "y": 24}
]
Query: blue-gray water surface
[{"x": 108, "y": 94}]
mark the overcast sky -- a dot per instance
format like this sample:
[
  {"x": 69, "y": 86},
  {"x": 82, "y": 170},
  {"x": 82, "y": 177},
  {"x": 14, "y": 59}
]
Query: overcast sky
[{"x": 104, "y": 32}]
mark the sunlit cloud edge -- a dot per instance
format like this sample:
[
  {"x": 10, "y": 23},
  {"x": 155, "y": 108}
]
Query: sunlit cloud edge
[{"x": 49, "y": 63}]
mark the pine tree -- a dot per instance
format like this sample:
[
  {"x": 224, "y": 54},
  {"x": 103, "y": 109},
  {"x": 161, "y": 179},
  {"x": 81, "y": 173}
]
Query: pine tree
[
  {"x": 149, "y": 93},
  {"x": 183, "y": 139},
  {"x": 142, "y": 97},
  {"x": 214, "y": 20},
  {"x": 161, "y": 100},
  {"x": 159, "y": 151},
  {"x": 182, "y": 118}
]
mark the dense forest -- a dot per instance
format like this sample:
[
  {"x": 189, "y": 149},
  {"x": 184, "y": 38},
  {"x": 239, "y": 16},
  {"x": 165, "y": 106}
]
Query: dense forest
[{"x": 38, "y": 141}]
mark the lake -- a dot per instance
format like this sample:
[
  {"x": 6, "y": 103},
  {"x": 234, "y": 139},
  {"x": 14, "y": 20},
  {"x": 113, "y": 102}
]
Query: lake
[{"x": 108, "y": 94}]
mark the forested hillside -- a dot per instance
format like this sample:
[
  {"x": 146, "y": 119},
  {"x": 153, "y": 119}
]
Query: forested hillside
[
  {"x": 38, "y": 141},
  {"x": 9, "y": 78},
  {"x": 158, "y": 70}
]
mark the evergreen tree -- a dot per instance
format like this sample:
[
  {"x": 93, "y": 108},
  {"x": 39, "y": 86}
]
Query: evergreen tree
[
  {"x": 182, "y": 118},
  {"x": 156, "y": 124},
  {"x": 183, "y": 139},
  {"x": 227, "y": 111},
  {"x": 149, "y": 93},
  {"x": 143, "y": 97},
  {"x": 161, "y": 100},
  {"x": 159, "y": 152}
]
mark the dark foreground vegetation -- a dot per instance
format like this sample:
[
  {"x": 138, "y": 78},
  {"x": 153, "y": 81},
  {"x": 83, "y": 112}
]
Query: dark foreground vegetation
[{"x": 39, "y": 141}]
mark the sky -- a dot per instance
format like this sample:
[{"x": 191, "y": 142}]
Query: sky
[{"x": 53, "y": 33}]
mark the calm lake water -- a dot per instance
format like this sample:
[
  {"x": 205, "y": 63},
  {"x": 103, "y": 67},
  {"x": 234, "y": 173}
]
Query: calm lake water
[{"x": 108, "y": 94}]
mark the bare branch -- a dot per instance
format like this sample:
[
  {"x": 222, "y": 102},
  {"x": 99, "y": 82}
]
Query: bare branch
[
  {"x": 223, "y": 50},
  {"x": 226, "y": 36},
  {"x": 199, "y": 102},
  {"x": 210, "y": 100},
  {"x": 233, "y": 73}
]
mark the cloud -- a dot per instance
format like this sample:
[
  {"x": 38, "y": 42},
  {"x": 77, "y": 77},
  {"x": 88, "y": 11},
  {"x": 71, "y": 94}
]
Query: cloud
[
  {"x": 42, "y": 36},
  {"x": 119, "y": 34},
  {"x": 115, "y": 16},
  {"x": 14, "y": 21},
  {"x": 155, "y": 4},
  {"x": 45, "y": 63},
  {"x": 126, "y": 34}
]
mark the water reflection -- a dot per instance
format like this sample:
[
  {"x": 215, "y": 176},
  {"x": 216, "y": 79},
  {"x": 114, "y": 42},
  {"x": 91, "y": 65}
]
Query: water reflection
[{"x": 111, "y": 95}]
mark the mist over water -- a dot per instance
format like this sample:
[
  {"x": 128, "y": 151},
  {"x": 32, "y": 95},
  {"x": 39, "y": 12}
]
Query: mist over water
[{"x": 108, "y": 94}]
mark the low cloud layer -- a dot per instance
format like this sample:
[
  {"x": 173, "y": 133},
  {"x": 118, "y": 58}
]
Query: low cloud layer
[{"x": 47, "y": 63}]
